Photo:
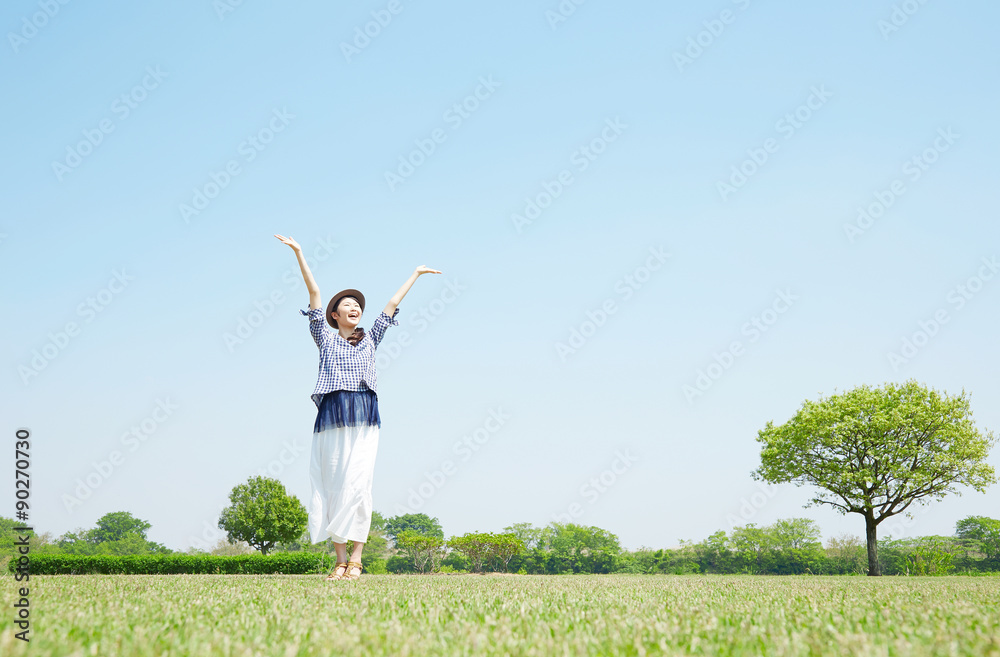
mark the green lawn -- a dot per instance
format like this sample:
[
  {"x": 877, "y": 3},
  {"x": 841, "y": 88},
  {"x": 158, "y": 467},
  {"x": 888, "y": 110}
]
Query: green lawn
[{"x": 506, "y": 615}]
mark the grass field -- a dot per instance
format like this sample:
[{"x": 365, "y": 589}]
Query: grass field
[{"x": 506, "y": 615}]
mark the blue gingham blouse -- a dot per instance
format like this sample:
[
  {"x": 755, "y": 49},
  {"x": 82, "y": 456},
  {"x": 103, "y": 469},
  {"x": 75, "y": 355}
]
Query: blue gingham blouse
[{"x": 343, "y": 366}]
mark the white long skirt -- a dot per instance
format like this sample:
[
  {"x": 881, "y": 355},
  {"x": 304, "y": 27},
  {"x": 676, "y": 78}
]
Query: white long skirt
[{"x": 344, "y": 446}]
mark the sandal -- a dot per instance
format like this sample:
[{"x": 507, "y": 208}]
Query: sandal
[
  {"x": 334, "y": 574},
  {"x": 351, "y": 567}
]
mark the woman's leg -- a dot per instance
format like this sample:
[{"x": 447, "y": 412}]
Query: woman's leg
[
  {"x": 340, "y": 550},
  {"x": 356, "y": 552}
]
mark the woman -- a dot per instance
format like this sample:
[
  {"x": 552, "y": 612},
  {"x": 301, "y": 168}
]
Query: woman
[{"x": 345, "y": 434}]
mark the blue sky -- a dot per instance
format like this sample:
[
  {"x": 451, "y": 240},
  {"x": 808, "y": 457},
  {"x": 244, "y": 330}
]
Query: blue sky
[{"x": 541, "y": 160}]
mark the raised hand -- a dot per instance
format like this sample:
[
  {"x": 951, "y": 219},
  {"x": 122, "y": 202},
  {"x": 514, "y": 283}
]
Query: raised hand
[
  {"x": 290, "y": 242},
  {"x": 423, "y": 269},
  {"x": 315, "y": 300}
]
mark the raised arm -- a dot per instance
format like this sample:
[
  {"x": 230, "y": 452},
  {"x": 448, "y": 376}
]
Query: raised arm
[
  {"x": 315, "y": 300},
  {"x": 390, "y": 307}
]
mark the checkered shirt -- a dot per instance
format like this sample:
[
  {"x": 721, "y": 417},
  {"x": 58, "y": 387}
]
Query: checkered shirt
[{"x": 343, "y": 366}]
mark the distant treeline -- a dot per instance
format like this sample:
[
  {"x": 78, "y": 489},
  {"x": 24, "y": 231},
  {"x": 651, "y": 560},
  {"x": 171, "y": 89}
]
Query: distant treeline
[
  {"x": 416, "y": 543},
  {"x": 787, "y": 547}
]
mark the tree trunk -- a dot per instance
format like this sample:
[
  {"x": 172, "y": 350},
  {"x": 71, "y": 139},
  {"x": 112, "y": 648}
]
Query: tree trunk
[{"x": 870, "y": 530}]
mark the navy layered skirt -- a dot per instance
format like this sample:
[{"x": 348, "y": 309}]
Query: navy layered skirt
[{"x": 346, "y": 408}]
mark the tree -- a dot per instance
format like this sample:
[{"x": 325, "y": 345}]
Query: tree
[
  {"x": 875, "y": 452},
  {"x": 715, "y": 553},
  {"x": 751, "y": 546},
  {"x": 795, "y": 533},
  {"x": 797, "y": 546},
  {"x": 263, "y": 514},
  {"x": 984, "y": 531},
  {"x": 475, "y": 547},
  {"x": 576, "y": 548},
  {"x": 117, "y": 526},
  {"x": 487, "y": 549},
  {"x": 845, "y": 554},
  {"x": 80, "y": 541},
  {"x": 527, "y": 533},
  {"x": 421, "y": 523},
  {"x": 505, "y": 547},
  {"x": 424, "y": 551}
]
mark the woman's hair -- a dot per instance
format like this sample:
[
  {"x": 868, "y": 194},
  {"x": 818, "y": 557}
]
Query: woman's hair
[{"x": 359, "y": 333}]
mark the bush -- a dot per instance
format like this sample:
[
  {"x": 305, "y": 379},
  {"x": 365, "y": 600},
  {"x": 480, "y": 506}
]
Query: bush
[
  {"x": 374, "y": 566},
  {"x": 399, "y": 564},
  {"x": 486, "y": 550},
  {"x": 456, "y": 561},
  {"x": 177, "y": 564}
]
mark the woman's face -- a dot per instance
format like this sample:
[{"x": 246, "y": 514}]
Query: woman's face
[{"x": 348, "y": 313}]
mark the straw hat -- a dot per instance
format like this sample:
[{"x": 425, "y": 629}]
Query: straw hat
[{"x": 336, "y": 299}]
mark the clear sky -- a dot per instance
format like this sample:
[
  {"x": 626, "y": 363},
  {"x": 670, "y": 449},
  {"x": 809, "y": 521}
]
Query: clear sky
[{"x": 616, "y": 193}]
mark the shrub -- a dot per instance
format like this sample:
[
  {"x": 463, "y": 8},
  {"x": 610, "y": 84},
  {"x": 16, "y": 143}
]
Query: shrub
[{"x": 177, "y": 564}]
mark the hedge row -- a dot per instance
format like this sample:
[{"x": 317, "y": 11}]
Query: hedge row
[{"x": 298, "y": 563}]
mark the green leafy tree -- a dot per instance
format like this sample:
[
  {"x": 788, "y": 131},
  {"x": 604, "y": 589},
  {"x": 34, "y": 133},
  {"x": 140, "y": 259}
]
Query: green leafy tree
[
  {"x": 751, "y": 546},
  {"x": 484, "y": 548},
  {"x": 378, "y": 522},
  {"x": 875, "y": 452},
  {"x": 797, "y": 545},
  {"x": 529, "y": 535},
  {"x": 505, "y": 547},
  {"x": 425, "y": 552},
  {"x": 716, "y": 557},
  {"x": 421, "y": 523},
  {"x": 263, "y": 514},
  {"x": 118, "y": 525},
  {"x": 845, "y": 554},
  {"x": 79, "y": 541},
  {"x": 983, "y": 532},
  {"x": 579, "y": 549},
  {"x": 475, "y": 546}
]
